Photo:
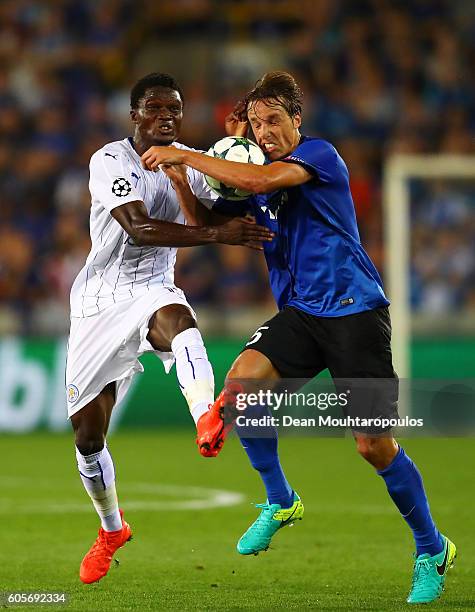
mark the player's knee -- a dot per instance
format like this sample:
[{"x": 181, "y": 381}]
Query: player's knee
[
  {"x": 368, "y": 448},
  {"x": 89, "y": 446},
  {"x": 237, "y": 370},
  {"x": 254, "y": 365},
  {"x": 377, "y": 451},
  {"x": 183, "y": 322},
  {"x": 244, "y": 367},
  {"x": 88, "y": 441},
  {"x": 166, "y": 324}
]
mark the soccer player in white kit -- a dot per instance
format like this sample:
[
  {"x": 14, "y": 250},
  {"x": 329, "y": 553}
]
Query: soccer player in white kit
[{"x": 124, "y": 301}]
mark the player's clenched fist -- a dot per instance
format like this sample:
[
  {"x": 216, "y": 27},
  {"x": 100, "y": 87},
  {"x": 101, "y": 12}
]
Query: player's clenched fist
[{"x": 244, "y": 232}]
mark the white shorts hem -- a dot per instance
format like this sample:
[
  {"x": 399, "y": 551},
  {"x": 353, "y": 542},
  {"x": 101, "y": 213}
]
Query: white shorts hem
[{"x": 125, "y": 379}]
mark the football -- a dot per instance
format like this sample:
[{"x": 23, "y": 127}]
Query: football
[{"x": 238, "y": 149}]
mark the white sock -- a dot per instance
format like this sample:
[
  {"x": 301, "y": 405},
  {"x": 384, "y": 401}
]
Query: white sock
[
  {"x": 98, "y": 476},
  {"x": 194, "y": 371}
]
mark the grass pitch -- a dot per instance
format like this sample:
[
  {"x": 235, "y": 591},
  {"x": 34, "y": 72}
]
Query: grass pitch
[{"x": 352, "y": 551}]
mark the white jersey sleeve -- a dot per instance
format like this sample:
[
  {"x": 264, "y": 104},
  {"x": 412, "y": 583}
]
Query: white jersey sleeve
[{"x": 109, "y": 181}]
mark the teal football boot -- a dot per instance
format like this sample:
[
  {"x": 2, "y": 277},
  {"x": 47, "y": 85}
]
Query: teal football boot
[
  {"x": 429, "y": 574},
  {"x": 270, "y": 520}
]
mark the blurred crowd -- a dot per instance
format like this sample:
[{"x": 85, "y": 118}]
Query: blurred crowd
[{"x": 379, "y": 77}]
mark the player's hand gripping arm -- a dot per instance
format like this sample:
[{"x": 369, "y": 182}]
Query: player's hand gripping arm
[
  {"x": 250, "y": 177},
  {"x": 195, "y": 211},
  {"x": 146, "y": 231}
]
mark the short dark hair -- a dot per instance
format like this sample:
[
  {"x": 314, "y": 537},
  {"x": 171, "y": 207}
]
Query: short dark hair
[
  {"x": 279, "y": 86},
  {"x": 154, "y": 79}
]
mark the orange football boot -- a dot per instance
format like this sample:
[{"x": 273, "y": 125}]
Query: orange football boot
[
  {"x": 213, "y": 426},
  {"x": 97, "y": 561}
]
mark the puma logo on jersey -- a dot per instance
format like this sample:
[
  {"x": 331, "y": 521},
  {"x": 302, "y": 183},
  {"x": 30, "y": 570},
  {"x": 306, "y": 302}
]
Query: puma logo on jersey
[{"x": 110, "y": 155}]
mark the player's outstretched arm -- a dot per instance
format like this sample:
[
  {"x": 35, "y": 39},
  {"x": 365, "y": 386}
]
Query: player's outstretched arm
[
  {"x": 146, "y": 231},
  {"x": 250, "y": 177}
]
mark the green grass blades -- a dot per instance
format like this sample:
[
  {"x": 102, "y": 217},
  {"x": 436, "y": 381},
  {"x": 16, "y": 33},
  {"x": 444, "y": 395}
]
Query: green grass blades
[{"x": 352, "y": 551}]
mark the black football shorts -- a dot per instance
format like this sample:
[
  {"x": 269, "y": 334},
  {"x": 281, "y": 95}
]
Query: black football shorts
[{"x": 356, "y": 349}]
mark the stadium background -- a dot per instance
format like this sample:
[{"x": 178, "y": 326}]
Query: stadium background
[{"x": 379, "y": 77}]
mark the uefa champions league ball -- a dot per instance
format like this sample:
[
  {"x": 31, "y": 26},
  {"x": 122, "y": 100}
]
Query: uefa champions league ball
[{"x": 238, "y": 149}]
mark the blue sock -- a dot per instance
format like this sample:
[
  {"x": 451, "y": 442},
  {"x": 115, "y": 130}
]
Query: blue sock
[
  {"x": 404, "y": 483},
  {"x": 262, "y": 453}
]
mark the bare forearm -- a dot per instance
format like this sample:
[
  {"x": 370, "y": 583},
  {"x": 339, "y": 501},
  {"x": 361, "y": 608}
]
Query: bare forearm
[
  {"x": 165, "y": 234},
  {"x": 146, "y": 231},
  {"x": 195, "y": 212},
  {"x": 249, "y": 177}
]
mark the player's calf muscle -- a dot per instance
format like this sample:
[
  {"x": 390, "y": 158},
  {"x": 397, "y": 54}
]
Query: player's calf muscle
[{"x": 90, "y": 424}]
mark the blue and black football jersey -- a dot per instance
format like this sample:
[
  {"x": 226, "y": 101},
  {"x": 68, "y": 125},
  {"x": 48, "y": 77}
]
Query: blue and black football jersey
[{"x": 316, "y": 261}]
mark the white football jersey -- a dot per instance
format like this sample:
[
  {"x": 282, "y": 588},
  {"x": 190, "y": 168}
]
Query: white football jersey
[{"x": 116, "y": 269}]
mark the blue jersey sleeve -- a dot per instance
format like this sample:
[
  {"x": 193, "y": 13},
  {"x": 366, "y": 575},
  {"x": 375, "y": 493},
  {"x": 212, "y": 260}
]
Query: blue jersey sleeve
[
  {"x": 233, "y": 208},
  {"x": 317, "y": 156}
]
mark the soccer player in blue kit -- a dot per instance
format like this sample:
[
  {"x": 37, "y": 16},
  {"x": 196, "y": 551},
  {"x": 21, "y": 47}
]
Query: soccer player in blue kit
[{"x": 332, "y": 311}]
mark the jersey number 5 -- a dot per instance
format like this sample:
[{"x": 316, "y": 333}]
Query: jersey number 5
[{"x": 256, "y": 336}]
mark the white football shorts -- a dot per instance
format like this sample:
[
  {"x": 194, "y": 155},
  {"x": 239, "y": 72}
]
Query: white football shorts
[{"x": 105, "y": 347}]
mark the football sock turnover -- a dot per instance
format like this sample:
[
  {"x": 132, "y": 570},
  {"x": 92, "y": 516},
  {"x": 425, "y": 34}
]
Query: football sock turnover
[
  {"x": 98, "y": 476},
  {"x": 194, "y": 371}
]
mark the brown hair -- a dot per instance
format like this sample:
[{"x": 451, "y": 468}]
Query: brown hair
[{"x": 278, "y": 86}]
